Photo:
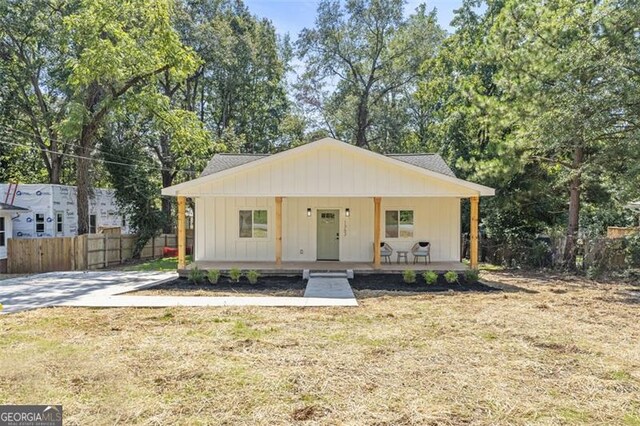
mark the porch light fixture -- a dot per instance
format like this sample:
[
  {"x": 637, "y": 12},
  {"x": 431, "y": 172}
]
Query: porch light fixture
[
  {"x": 347, "y": 212},
  {"x": 309, "y": 212}
]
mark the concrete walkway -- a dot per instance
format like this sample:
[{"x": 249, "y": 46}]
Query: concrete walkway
[
  {"x": 333, "y": 288},
  {"x": 61, "y": 288},
  {"x": 104, "y": 289},
  {"x": 319, "y": 292},
  {"x": 167, "y": 301}
]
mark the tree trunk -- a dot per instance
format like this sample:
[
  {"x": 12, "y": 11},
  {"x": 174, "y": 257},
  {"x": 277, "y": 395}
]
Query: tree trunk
[
  {"x": 167, "y": 180},
  {"x": 574, "y": 210},
  {"x": 362, "y": 122},
  {"x": 55, "y": 172},
  {"x": 83, "y": 183}
]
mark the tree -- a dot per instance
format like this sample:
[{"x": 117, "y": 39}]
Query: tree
[
  {"x": 117, "y": 51},
  {"x": 34, "y": 94},
  {"x": 239, "y": 89},
  {"x": 369, "y": 52},
  {"x": 570, "y": 73}
]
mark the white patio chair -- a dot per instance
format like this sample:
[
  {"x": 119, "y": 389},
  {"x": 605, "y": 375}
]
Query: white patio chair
[
  {"x": 421, "y": 249},
  {"x": 386, "y": 251}
]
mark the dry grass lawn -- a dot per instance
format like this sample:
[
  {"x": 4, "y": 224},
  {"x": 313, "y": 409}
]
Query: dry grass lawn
[{"x": 561, "y": 352}]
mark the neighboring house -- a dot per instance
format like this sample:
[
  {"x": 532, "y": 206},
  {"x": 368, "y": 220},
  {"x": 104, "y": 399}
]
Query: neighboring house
[
  {"x": 326, "y": 200},
  {"x": 7, "y": 212},
  {"x": 53, "y": 210}
]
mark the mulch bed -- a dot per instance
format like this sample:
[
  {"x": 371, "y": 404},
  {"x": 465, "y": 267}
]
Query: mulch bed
[
  {"x": 392, "y": 282},
  {"x": 264, "y": 284},
  {"x": 275, "y": 284}
]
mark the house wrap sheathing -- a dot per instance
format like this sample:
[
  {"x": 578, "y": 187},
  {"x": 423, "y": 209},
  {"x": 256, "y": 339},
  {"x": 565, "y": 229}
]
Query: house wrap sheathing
[{"x": 50, "y": 203}]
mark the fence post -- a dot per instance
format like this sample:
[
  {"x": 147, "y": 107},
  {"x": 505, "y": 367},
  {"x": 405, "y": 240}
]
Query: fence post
[
  {"x": 120, "y": 247},
  {"x": 104, "y": 253}
]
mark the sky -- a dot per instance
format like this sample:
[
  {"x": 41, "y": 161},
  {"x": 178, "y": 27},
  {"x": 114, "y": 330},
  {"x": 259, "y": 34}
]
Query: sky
[{"x": 291, "y": 16}]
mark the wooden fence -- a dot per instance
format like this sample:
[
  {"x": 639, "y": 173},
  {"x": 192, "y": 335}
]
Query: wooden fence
[
  {"x": 619, "y": 232},
  {"x": 94, "y": 251}
]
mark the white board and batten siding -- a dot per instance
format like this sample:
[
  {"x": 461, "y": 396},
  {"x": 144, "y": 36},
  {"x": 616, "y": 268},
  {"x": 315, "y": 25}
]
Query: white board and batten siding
[
  {"x": 327, "y": 172},
  {"x": 324, "y": 175},
  {"x": 436, "y": 220}
]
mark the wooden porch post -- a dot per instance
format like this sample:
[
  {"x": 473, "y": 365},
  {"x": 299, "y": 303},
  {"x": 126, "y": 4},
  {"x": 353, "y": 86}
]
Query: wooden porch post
[
  {"x": 376, "y": 232},
  {"x": 182, "y": 260},
  {"x": 473, "y": 255},
  {"x": 278, "y": 230}
]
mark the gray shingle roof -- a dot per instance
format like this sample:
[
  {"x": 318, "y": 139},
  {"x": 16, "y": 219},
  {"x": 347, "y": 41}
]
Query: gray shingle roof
[
  {"x": 10, "y": 208},
  {"x": 432, "y": 162},
  {"x": 221, "y": 162}
]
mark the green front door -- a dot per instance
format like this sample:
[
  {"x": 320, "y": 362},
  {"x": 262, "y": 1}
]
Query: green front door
[{"x": 328, "y": 234}]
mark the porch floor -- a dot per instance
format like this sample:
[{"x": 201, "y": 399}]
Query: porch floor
[{"x": 294, "y": 268}]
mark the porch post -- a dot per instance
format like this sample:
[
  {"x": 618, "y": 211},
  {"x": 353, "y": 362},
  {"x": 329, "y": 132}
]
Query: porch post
[
  {"x": 376, "y": 232},
  {"x": 473, "y": 255},
  {"x": 182, "y": 263},
  {"x": 278, "y": 230}
]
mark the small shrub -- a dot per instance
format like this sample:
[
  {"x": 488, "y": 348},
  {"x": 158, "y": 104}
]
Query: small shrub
[
  {"x": 196, "y": 275},
  {"x": 409, "y": 276},
  {"x": 235, "y": 274},
  {"x": 451, "y": 277},
  {"x": 253, "y": 276},
  {"x": 594, "y": 272},
  {"x": 213, "y": 276},
  {"x": 471, "y": 276},
  {"x": 430, "y": 277}
]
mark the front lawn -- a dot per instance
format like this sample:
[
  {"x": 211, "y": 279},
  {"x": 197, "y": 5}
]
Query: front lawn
[
  {"x": 161, "y": 264},
  {"x": 548, "y": 351}
]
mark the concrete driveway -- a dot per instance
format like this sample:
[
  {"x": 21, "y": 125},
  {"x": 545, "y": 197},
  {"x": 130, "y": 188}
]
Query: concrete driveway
[{"x": 61, "y": 288}]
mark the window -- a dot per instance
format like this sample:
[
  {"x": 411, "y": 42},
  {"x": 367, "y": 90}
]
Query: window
[
  {"x": 124, "y": 222},
  {"x": 39, "y": 222},
  {"x": 253, "y": 224},
  {"x": 92, "y": 223},
  {"x": 2, "y": 238},
  {"x": 398, "y": 224},
  {"x": 59, "y": 223}
]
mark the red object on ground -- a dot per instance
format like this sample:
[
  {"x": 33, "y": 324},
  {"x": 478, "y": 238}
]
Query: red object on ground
[
  {"x": 169, "y": 252},
  {"x": 173, "y": 252}
]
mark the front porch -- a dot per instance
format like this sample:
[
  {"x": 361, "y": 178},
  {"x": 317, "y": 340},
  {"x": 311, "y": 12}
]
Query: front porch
[{"x": 296, "y": 268}]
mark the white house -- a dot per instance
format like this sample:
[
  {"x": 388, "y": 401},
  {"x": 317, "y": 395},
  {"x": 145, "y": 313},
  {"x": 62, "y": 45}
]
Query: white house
[
  {"x": 325, "y": 201},
  {"x": 52, "y": 210},
  {"x": 7, "y": 212}
]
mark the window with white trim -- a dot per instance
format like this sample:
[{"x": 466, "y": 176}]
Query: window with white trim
[
  {"x": 2, "y": 231},
  {"x": 253, "y": 223},
  {"x": 398, "y": 224}
]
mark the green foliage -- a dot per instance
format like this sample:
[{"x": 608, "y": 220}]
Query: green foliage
[
  {"x": 213, "y": 275},
  {"x": 632, "y": 257},
  {"x": 253, "y": 276},
  {"x": 451, "y": 277},
  {"x": 374, "y": 53},
  {"x": 471, "y": 276},
  {"x": 196, "y": 275},
  {"x": 235, "y": 274},
  {"x": 131, "y": 172},
  {"x": 409, "y": 276},
  {"x": 430, "y": 277}
]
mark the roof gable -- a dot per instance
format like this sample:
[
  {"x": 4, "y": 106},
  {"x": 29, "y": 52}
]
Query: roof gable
[
  {"x": 328, "y": 167},
  {"x": 221, "y": 162}
]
